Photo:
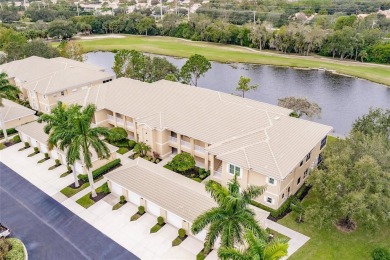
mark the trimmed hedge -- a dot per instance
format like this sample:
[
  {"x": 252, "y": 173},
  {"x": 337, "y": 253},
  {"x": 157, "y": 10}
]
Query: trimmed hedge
[
  {"x": 100, "y": 171},
  {"x": 155, "y": 228},
  {"x": 285, "y": 208},
  {"x": 9, "y": 131},
  {"x": 381, "y": 253},
  {"x": 17, "y": 249}
]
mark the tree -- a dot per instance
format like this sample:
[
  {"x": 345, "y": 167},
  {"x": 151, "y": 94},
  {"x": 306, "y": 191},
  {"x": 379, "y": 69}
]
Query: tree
[
  {"x": 301, "y": 106},
  {"x": 232, "y": 217},
  {"x": 182, "y": 162},
  {"x": 259, "y": 35},
  {"x": 39, "y": 48},
  {"x": 377, "y": 121},
  {"x": 56, "y": 124},
  {"x": 61, "y": 29},
  {"x": 352, "y": 185},
  {"x": 7, "y": 91},
  {"x": 78, "y": 137},
  {"x": 195, "y": 67},
  {"x": 243, "y": 85},
  {"x": 72, "y": 50},
  {"x": 141, "y": 149},
  {"x": 297, "y": 207},
  {"x": 117, "y": 134},
  {"x": 146, "y": 24},
  {"x": 258, "y": 248}
]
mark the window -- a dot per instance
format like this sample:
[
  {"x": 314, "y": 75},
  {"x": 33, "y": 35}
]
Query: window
[
  {"x": 319, "y": 159},
  {"x": 299, "y": 180},
  {"x": 323, "y": 142},
  {"x": 305, "y": 173},
  {"x": 62, "y": 93},
  {"x": 234, "y": 170},
  {"x": 308, "y": 156},
  {"x": 300, "y": 165},
  {"x": 44, "y": 96},
  {"x": 288, "y": 190},
  {"x": 269, "y": 200},
  {"x": 283, "y": 196},
  {"x": 271, "y": 181}
]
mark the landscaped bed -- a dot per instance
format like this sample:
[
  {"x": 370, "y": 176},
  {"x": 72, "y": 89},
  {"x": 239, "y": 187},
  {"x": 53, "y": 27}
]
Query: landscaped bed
[
  {"x": 158, "y": 226},
  {"x": 12, "y": 141},
  {"x": 36, "y": 151},
  {"x": 87, "y": 200},
  {"x": 120, "y": 203},
  {"x": 184, "y": 164},
  {"x": 138, "y": 214},
  {"x": 11, "y": 249},
  {"x": 57, "y": 164},
  {"x": 45, "y": 158},
  {"x": 180, "y": 238}
]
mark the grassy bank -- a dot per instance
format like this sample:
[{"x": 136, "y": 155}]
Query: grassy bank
[
  {"x": 229, "y": 53},
  {"x": 332, "y": 244}
]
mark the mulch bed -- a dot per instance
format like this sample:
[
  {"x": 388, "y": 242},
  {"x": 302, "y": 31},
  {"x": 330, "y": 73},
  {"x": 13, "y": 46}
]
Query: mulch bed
[
  {"x": 98, "y": 197},
  {"x": 80, "y": 183}
]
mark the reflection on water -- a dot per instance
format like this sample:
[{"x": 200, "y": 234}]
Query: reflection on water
[{"x": 342, "y": 99}]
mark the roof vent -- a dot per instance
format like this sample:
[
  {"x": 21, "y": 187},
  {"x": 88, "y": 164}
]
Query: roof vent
[{"x": 277, "y": 118}]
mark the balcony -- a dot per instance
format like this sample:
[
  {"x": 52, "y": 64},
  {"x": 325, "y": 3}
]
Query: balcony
[
  {"x": 111, "y": 119},
  {"x": 199, "y": 149},
  {"x": 129, "y": 125},
  {"x": 173, "y": 139},
  {"x": 120, "y": 122},
  {"x": 185, "y": 144}
]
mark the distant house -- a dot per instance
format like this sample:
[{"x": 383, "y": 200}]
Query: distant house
[
  {"x": 42, "y": 80},
  {"x": 225, "y": 134}
]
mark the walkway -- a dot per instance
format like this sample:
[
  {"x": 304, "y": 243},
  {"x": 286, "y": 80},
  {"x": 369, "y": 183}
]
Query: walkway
[
  {"x": 296, "y": 241},
  {"x": 48, "y": 229}
]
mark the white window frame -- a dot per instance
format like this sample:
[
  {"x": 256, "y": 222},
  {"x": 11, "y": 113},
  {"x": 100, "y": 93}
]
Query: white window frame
[
  {"x": 44, "y": 97},
  {"x": 47, "y": 108},
  {"x": 235, "y": 166},
  {"x": 266, "y": 200},
  {"x": 272, "y": 184}
]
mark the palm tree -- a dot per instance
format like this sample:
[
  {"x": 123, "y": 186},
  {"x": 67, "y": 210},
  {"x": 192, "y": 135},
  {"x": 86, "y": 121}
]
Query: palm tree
[
  {"x": 232, "y": 216},
  {"x": 6, "y": 91},
  {"x": 58, "y": 120},
  {"x": 79, "y": 137},
  {"x": 258, "y": 248},
  {"x": 141, "y": 149}
]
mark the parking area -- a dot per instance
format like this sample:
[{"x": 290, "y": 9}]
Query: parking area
[{"x": 134, "y": 236}]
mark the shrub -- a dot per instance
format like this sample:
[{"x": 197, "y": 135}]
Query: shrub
[
  {"x": 105, "y": 188},
  {"x": 200, "y": 256},
  {"x": 182, "y": 233},
  {"x": 16, "y": 139},
  {"x": 57, "y": 162},
  {"x": 16, "y": 250},
  {"x": 46, "y": 155},
  {"x": 141, "y": 210},
  {"x": 122, "y": 199},
  {"x": 69, "y": 168},
  {"x": 176, "y": 242},
  {"x": 2, "y": 146},
  {"x": 26, "y": 145},
  {"x": 9, "y": 131},
  {"x": 155, "y": 228},
  {"x": 381, "y": 253},
  {"x": 122, "y": 143},
  {"x": 182, "y": 162},
  {"x": 36, "y": 150},
  {"x": 117, "y": 134},
  {"x": 160, "y": 221},
  {"x": 100, "y": 171},
  {"x": 131, "y": 144}
]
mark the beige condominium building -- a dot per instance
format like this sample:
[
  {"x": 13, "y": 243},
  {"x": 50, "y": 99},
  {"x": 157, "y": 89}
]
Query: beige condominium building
[
  {"x": 13, "y": 114},
  {"x": 226, "y": 134},
  {"x": 42, "y": 80}
]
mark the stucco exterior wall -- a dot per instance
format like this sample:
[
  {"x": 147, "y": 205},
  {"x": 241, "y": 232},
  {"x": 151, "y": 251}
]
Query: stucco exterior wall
[{"x": 19, "y": 121}]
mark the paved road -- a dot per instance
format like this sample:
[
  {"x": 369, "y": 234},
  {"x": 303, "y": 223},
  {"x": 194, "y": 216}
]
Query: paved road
[{"x": 48, "y": 229}]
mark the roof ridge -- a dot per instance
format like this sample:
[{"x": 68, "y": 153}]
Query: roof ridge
[
  {"x": 273, "y": 155},
  {"x": 236, "y": 137},
  {"x": 86, "y": 97},
  {"x": 48, "y": 83},
  {"x": 247, "y": 160}
]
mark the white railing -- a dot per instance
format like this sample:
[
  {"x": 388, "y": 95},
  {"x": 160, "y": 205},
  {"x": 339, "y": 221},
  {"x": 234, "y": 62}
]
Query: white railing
[
  {"x": 110, "y": 118},
  {"x": 129, "y": 124},
  {"x": 218, "y": 174},
  {"x": 199, "y": 148},
  {"x": 173, "y": 139},
  {"x": 185, "y": 143},
  {"x": 120, "y": 121}
]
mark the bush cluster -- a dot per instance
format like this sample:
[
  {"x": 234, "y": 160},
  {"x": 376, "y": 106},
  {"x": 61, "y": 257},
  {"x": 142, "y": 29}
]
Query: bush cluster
[
  {"x": 141, "y": 210},
  {"x": 9, "y": 131},
  {"x": 381, "y": 253},
  {"x": 100, "y": 171}
]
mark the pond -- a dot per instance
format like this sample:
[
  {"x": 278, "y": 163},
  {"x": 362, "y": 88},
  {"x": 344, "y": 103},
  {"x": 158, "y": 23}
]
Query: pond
[{"x": 342, "y": 99}]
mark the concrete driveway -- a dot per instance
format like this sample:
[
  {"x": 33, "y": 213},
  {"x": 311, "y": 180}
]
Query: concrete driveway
[{"x": 134, "y": 236}]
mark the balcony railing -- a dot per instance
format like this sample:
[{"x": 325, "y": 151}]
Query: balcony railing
[
  {"x": 199, "y": 148},
  {"x": 185, "y": 143},
  {"x": 173, "y": 139},
  {"x": 111, "y": 119},
  {"x": 129, "y": 125},
  {"x": 120, "y": 121}
]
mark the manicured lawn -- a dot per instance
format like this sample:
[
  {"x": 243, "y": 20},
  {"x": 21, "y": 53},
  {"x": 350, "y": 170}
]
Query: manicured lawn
[
  {"x": 69, "y": 192},
  {"x": 332, "y": 244},
  {"x": 123, "y": 150},
  {"x": 86, "y": 201},
  {"x": 229, "y": 53}
]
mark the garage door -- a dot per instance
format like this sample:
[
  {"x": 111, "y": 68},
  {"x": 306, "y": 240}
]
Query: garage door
[
  {"x": 134, "y": 198},
  {"x": 54, "y": 154},
  {"x": 43, "y": 147},
  {"x": 174, "y": 220},
  {"x": 63, "y": 158},
  {"x": 23, "y": 137},
  {"x": 152, "y": 208},
  {"x": 116, "y": 189},
  {"x": 33, "y": 142},
  {"x": 202, "y": 235},
  {"x": 79, "y": 168}
]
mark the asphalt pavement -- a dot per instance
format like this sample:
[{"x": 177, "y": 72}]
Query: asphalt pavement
[{"x": 48, "y": 229}]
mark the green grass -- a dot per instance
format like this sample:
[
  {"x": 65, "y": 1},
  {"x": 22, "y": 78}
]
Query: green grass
[
  {"x": 331, "y": 244},
  {"x": 69, "y": 192},
  {"x": 17, "y": 251},
  {"x": 230, "y": 53},
  {"x": 123, "y": 150},
  {"x": 85, "y": 201}
]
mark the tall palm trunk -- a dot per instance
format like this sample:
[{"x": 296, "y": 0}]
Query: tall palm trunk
[
  {"x": 76, "y": 180},
  {"x": 91, "y": 183},
  {"x": 3, "y": 128}
]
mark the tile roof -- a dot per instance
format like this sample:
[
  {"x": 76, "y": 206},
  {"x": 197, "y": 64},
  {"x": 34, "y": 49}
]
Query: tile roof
[
  {"x": 11, "y": 111},
  {"x": 171, "y": 191}
]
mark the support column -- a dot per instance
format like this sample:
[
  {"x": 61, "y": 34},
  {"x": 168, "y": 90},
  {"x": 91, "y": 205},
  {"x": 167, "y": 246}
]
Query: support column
[
  {"x": 178, "y": 143},
  {"x": 114, "y": 115},
  {"x": 212, "y": 165},
  {"x": 135, "y": 131},
  {"x": 192, "y": 145},
  {"x": 206, "y": 161}
]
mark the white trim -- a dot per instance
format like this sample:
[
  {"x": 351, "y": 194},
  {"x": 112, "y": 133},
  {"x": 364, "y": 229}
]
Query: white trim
[
  {"x": 162, "y": 143},
  {"x": 232, "y": 174},
  {"x": 271, "y": 184},
  {"x": 269, "y": 203}
]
